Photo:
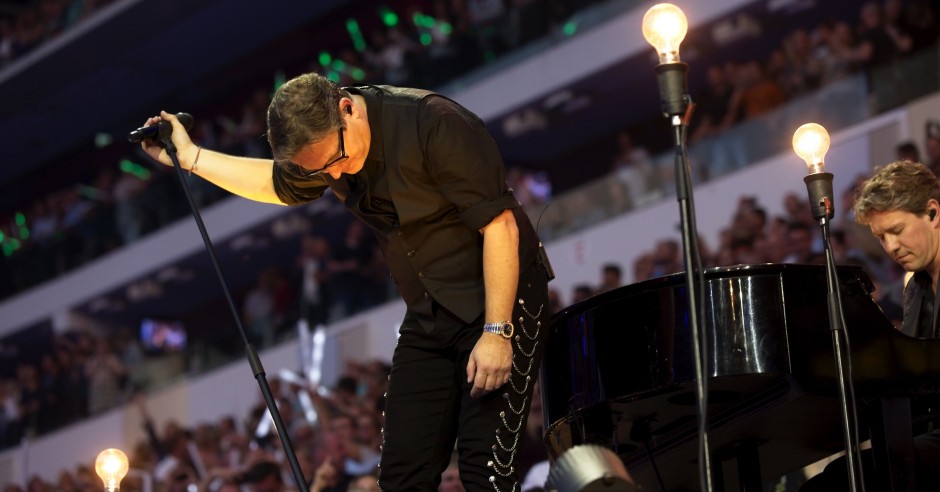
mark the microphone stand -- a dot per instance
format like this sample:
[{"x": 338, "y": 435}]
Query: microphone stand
[
  {"x": 253, "y": 359},
  {"x": 819, "y": 188},
  {"x": 678, "y": 107}
]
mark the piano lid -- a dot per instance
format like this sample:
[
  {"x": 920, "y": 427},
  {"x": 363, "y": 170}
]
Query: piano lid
[{"x": 618, "y": 369}]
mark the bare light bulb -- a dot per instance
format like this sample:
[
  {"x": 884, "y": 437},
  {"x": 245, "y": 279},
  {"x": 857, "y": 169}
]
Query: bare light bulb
[
  {"x": 664, "y": 27},
  {"x": 811, "y": 142},
  {"x": 111, "y": 466}
]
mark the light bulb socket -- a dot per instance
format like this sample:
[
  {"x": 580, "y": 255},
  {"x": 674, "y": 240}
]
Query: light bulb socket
[
  {"x": 817, "y": 168},
  {"x": 819, "y": 189},
  {"x": 673, "y": 87}
]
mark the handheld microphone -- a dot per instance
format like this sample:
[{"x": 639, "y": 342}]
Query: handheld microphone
[{"x": 161, "y": 129}]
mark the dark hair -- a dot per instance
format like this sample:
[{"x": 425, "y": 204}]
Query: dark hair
[
  {"x": 760, "y": 212},
  {"x": 838, "y": 235},
  {"x": 797, "y": 225},
  {"x": 259, "y": 471},
  {"x": 303, "y": 110},
  {"x": 907, "y": 149},
  {"x": 738, "y": 242},
  {"x": 584, "y": 290},
  {"x": 347, "y": 383}
]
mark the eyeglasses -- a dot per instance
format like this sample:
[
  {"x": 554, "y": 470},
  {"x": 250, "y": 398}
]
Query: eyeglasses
[{"x": 342, "y": 156}]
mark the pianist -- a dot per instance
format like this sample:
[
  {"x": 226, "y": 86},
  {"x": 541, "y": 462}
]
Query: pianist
[{"x": 900, "y": 203}]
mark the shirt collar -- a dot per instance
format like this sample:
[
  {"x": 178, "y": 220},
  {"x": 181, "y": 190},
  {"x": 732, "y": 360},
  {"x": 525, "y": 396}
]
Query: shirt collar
[{"x": 373, "y": 97}]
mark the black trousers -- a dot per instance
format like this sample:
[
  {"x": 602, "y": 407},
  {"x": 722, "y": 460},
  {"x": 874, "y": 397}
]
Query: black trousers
[{"x": 429, "y": 408}]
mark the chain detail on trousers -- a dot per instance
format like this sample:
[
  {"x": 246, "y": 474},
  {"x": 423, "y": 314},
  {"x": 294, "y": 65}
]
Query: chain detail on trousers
[{"x": 524, "y": 348}]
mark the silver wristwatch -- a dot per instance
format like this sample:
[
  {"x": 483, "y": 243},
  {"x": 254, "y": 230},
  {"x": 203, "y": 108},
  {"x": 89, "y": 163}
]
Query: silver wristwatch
[{"x": 503, "y": 328}]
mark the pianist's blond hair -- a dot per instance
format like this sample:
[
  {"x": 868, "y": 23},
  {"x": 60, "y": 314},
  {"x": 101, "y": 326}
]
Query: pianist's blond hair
[{"x": 901, "y": 185}]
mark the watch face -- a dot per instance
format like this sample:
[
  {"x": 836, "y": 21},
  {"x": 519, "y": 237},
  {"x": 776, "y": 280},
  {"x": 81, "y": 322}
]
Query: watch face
[{"x": 507, "y": 330}]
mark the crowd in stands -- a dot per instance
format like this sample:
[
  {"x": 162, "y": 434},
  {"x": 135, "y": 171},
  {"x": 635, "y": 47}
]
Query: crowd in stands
[
  {"x": 81, "y": 375},
  {"x": 85, "y": 374},
  {"x": 335, "y": 433},
  {"x": 126, "y": 200},
  {"x": 751, "y": 237},
  {"x": 872, "y": 60},
  {"x": 39, "y": 22},
  {"x": 876, "y": 43},
  {"x": 433, "y": 42}
]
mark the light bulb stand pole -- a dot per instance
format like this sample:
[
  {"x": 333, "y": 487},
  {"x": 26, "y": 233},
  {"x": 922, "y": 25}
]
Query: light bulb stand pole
[
  {"x": 819, "y": 189},
  {"x": 677, "y": 106},
  {"x": 253, "y": 359}
]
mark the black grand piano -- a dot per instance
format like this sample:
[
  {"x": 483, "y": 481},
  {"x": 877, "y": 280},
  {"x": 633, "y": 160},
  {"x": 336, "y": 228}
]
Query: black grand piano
[{"x": 618, "y": 372}]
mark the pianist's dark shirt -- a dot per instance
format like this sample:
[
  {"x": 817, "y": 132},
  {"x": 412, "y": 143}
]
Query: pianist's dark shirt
[{"x": 920, "y": 307}]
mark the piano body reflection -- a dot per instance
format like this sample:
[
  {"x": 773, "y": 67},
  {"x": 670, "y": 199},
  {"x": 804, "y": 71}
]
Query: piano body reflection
[{"x": 618, "y": 372}]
